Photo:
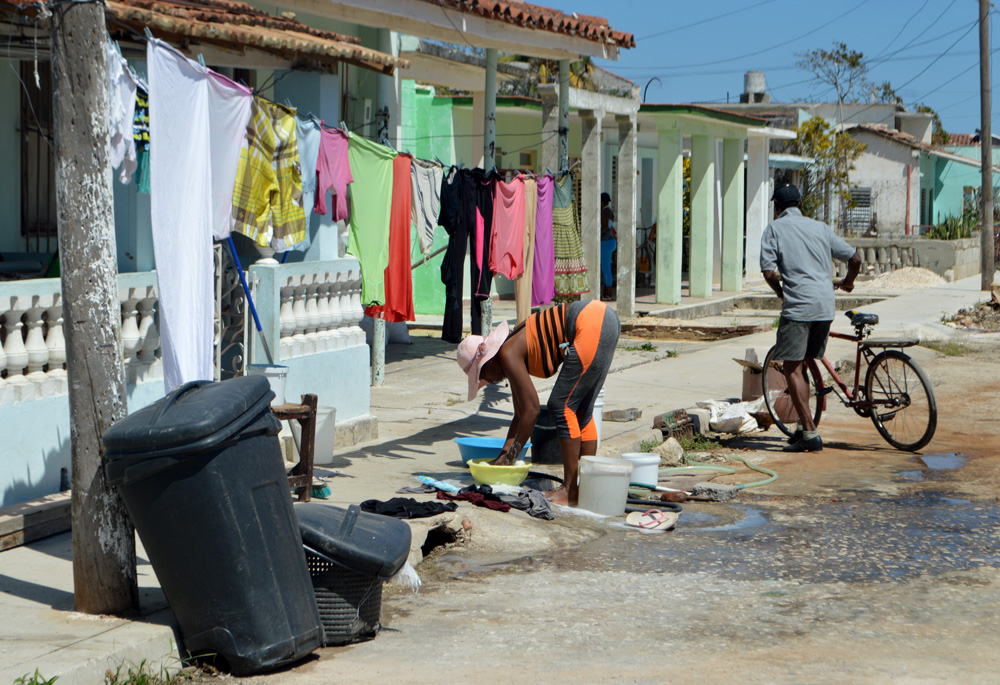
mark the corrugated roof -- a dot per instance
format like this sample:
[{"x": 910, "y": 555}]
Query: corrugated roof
[{"x": 542, "y": 18}]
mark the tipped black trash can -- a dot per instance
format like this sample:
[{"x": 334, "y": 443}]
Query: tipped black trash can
[
  {"x": 203, "y": 480},
  {"x": 350, "y": 554}
]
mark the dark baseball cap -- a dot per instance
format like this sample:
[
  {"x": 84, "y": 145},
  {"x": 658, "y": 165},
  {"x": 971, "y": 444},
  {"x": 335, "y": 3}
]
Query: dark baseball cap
[{"x": 786, "y": 195}]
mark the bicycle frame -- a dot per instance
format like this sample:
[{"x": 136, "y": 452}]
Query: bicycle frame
[{"x": 849, "y": 396}]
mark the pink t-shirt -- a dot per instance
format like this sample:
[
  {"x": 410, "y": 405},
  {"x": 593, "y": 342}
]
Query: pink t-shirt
[
  {"x": 507, "y": 246},
  {"x": 333, "y": 170}
]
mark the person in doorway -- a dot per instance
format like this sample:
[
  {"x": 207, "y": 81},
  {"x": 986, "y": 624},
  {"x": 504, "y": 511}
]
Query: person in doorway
[
  {"x": 609, "y": 241},
  {"x": 796, "y": 256},
  {"x": 580, "y": 337}
]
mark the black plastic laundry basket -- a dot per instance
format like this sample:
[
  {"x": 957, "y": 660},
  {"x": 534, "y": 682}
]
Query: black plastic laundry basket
[{"x": 350, "y": 604}]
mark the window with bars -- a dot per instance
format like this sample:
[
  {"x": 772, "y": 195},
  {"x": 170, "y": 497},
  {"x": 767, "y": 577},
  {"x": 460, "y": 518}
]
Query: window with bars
[
  {"x": 38, "y": 171},
  {"x": 858, "y": 212}
]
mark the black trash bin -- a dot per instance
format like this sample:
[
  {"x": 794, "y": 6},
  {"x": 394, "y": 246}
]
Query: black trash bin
[
  {"x": 203, "y": 479},
  {"x": 350, "y": 554}
]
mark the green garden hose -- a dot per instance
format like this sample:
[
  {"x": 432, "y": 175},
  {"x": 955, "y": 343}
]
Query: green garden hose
[{"x": 699, "y": 466}]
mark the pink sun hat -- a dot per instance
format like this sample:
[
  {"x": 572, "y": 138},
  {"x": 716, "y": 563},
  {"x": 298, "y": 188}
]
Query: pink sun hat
[{"x": 475, "y": 351}]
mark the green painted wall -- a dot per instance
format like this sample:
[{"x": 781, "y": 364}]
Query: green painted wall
[{"x": 10, "y": 152}]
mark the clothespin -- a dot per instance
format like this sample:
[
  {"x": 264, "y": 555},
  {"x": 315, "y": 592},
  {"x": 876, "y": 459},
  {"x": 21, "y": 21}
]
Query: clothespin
[
  {"x": 461, "y": 165},
  {"x": 438, "y": 160},
  {"x": 550, "y": 172},
  {"x": 343, "y": 126},
  {"x": 149, "y": 34},
  {"x": 201, "y": 59}
]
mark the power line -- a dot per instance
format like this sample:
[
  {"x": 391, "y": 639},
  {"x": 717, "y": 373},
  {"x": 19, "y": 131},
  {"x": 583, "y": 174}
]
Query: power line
[
  {"x": 922, "y": 71},
  {"x": 758, "y": 52},
  {"x": 705, "y": 21},
  {"x": 912, "y": 17}
]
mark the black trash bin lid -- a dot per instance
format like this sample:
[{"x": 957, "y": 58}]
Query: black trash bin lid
[
  {"x": 365, "y": 543},
  {"x": 196, "y": 415}
]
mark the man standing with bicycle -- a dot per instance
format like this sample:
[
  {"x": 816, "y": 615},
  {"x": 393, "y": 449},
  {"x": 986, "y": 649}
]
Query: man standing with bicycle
[{"x": 796, "y": 255}]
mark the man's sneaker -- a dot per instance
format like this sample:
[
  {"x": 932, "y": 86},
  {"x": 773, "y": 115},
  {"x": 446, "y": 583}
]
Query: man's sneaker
[
  {"x": 796, "y": 436},
  {"x": 805, "y": 445}
]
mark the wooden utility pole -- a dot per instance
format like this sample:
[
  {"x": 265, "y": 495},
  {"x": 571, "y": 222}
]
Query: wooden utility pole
[
  {"x": 104, "y": 576},
  {"x": 986, "y": 146}
]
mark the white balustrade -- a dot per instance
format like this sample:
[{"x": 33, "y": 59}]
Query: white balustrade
[
  {"x": 319, "y": 309},
  {"x": 287, "y": 316},
  {"x": 34, "y": 351},
  {"x": 17, "y": 353}
]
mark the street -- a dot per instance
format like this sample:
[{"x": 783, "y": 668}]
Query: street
[{"x": 859, "y": 564}]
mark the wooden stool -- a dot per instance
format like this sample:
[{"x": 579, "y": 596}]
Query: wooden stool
[{"x": 301, "y": 476}]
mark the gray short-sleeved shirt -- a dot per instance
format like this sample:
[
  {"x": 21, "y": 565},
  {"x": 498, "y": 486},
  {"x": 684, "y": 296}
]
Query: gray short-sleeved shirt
[{"x": 802, "y": 250}]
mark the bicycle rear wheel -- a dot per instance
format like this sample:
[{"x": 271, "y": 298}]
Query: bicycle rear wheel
[
  {"x": 777, "y": 399},
  {"x": 905, "y": 413}
]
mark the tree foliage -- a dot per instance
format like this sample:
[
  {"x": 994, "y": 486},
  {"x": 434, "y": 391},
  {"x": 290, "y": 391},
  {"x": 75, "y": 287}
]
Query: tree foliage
[
  {"x": 938, "y": 135},
  {"x": 844, "y": 69},
  {"x": 833, "y": 157}
]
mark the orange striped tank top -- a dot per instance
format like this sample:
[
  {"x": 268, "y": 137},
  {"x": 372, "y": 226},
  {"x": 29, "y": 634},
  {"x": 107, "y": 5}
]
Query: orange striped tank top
[{"x": 546, "y": 330}]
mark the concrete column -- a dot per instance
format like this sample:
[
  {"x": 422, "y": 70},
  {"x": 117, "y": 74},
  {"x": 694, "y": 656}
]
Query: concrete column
[
  {"x": 389, "y": 112},
  {"x": 732, "y": 214},
  {"x": 626, "y": 215},
  {"x": 590, "y": 198},
  {"x": 670, "y": 216},
  {"x": 702, "y": 214},
  {"x": 550, "y": 126},
  {"x": 490, "y": 114},
  {"x": 563, "y": 114},
  {"x": 758, "y": 194},
  {"x": 478, "y": 137}
]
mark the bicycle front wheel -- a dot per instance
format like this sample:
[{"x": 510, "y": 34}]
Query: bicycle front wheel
[
  {"x": 904, "y": 410},
  {"x": 777, "y": 399}
]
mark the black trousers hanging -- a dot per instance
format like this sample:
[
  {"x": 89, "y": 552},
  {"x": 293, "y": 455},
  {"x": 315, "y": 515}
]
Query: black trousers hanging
[
  {"x": 481, "y": 278},
  {"x": 458, "y": 219}
]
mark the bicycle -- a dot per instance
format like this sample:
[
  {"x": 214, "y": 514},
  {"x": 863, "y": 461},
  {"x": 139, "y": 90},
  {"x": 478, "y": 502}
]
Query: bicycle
[{"x": 896, "y": 394}]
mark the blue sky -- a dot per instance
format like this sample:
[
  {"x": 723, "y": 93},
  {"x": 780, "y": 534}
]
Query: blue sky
[{"x": 927, "y": 49}]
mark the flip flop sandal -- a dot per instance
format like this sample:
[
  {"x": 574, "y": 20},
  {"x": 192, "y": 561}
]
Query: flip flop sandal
[{"x": 653, "y": 519}]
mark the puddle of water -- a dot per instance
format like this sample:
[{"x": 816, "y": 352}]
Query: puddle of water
[
  {"x": 859, "y": 541},
  {"x": 945, "y": 461}
]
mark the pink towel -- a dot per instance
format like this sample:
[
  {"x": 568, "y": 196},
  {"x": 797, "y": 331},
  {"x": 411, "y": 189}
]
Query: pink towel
[{"x": 543, "y": 274}]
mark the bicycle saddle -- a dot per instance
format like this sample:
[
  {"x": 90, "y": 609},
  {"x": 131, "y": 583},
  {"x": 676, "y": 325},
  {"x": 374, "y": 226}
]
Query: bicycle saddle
[{"x": 859, "y": 319}]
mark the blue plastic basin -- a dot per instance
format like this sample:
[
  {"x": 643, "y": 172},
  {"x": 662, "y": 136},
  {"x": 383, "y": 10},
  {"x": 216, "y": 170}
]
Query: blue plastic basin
[{"x": 483, "y": 448}]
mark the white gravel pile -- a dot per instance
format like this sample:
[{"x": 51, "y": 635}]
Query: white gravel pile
[{"x": 907, "y": 278}]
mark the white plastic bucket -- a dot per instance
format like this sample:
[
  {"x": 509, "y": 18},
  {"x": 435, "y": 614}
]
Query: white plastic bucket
[
  {"x": 599, "y": 415},
  {"x": 326, "y": 430},
  {"x": 276, "y": 375},
  {"x": 604, "y": 485},
  {"x": 645, "y": 467}
]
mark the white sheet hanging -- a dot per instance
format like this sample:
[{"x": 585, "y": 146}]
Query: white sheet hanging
[
  {"x": 182, "y": 211},
  {"x": 121, "y": 113},
  {"x": 228, "y": 115}
]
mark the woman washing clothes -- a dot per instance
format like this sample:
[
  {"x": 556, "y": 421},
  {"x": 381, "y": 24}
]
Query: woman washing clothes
[{"x": 580, "y": 337}]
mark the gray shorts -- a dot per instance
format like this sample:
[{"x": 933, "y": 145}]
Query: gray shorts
[{"x": 800, "y": 339}]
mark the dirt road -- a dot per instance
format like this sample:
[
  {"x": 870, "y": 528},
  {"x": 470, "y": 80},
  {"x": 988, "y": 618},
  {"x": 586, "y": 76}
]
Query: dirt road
[{"x": 859, "y": 564}]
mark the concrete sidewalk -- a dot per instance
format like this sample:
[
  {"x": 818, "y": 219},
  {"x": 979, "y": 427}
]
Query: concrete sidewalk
[{"x": 420, "y": 409}]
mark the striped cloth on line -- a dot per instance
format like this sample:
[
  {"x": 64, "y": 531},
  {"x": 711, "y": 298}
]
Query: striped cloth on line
[
  {"x": 267, "y": 196},
  {"x": 571, "y": 267}
]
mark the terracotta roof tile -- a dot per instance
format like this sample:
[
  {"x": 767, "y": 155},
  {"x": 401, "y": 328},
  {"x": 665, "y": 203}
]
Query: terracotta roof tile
[
  {"x": 229, "y": 21},
  {"x": 963, "y": 139},
  {"x": 537, "y": 17}
]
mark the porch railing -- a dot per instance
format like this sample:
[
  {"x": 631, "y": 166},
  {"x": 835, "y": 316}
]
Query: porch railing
[{"x": 33, "y": 353}]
